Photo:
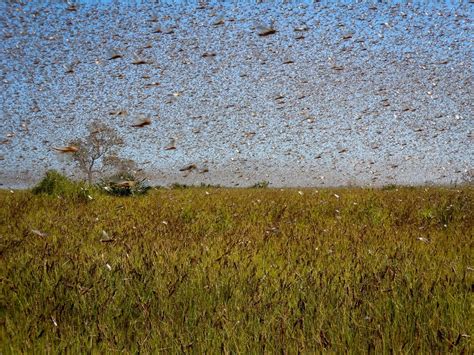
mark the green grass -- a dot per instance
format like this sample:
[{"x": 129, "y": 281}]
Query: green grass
[{"x": 238, "y": 271}]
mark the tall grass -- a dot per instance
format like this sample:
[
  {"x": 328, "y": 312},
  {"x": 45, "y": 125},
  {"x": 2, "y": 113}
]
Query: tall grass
[{"x": 239, "y": 270}]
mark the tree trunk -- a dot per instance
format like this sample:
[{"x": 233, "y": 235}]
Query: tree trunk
[{"x": 89, "y": 176}]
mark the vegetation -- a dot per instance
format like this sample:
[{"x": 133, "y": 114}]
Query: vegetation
[
  {"x": 207, "y": 270},
  {"x": 98, "y": 150},
  {"x": 124, "y": 184},
  {"x": 56, "y": 184},
  {"x": 261, "y": 185}
]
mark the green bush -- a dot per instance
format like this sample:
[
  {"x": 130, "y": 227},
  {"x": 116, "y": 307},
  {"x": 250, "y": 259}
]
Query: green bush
[
  {"x": 56, "y": 184},
  {"x": 389, "y": 187},
  {"x": 124, "y": 184},
  {"x": 261, "y": 185},
  {"x": 210, "y": 186},
  {"x": 178, "y": 186}
]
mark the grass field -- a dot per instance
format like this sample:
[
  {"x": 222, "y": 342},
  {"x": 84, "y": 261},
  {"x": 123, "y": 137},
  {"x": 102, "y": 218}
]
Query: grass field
[{"x": 208, "y": 270}]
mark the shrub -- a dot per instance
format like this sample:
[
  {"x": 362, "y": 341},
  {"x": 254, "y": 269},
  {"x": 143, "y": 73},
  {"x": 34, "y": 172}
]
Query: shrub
[
  {"x": 124, "y": 184},
  {"x": 210, "y": 186},
  {"x": 54, "y": 183},
  {"x": 261, "y": 185},
  {"x": 389, "y": 187},
  {"x": 178, "y": 186}
]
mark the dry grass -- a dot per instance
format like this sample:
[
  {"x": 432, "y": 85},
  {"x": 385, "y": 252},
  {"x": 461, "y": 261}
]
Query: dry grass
[{"x": 239, "y": 270}]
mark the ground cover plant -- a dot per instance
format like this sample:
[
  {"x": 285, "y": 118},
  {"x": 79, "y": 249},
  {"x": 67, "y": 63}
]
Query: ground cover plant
[{"x": 238, "y": 270}]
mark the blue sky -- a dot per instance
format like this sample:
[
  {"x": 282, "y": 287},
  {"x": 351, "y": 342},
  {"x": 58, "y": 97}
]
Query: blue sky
[{"x": 350, "y": 77}]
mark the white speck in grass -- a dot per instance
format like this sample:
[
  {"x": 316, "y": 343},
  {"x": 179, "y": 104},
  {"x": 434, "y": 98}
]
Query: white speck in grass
[
  {"x": 164, "y": 222},
  {"x": 39, "y": 233},
  {"x": 336, "y": 196},
  {"x": 207, "y": 193},
  {"x": 54, "y": 321},
  {"x": 108, "y": 267},
  {"x": 424, "y": 240},
  {"x": 89, "y": 197},
  {"x": 301, "y": 193}
]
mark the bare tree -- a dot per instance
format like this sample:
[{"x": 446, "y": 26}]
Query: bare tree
[{"x": 93, "y": 151}]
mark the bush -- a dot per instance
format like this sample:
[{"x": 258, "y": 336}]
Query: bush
[
  {"x": 261, "y": 185},
  {"x": 54, "y": 183},
  {"x": 389, "y": 187},
  {"x": 210, "y": 186},
  {"x": 124, "y": 184},
  {"x": 178, "y": 186}
]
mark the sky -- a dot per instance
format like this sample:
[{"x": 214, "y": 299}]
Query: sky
[{"x": 343, "y": 93}]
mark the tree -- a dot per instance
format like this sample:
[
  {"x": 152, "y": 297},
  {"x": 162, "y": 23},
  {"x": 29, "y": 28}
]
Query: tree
[{"x": 94, "y": 150}]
